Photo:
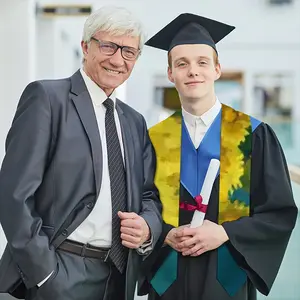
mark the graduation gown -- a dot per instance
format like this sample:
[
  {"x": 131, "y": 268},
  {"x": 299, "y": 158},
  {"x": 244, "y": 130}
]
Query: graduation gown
[{"x": 257, "y": 243}]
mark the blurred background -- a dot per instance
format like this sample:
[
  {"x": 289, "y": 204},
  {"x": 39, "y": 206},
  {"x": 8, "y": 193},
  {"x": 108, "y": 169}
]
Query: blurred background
[{"x": 260, "y": 62}]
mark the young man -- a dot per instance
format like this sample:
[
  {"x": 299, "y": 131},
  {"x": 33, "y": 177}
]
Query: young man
[
  {"x": 251, "y": 211},
  {"x": 78, "y": 203}
]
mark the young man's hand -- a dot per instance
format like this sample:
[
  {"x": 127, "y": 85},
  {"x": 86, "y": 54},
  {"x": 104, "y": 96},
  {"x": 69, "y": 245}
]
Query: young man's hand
[
  {"x": 174, "y": 237},
  {"x": 207, "y": 237}
]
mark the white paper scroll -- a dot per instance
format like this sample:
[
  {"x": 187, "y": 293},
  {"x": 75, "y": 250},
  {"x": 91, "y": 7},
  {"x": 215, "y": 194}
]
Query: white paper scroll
[{"x": 209, "y": 179}]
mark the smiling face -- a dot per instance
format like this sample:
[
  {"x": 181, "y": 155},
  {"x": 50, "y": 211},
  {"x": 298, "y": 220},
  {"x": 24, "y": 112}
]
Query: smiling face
[
  {"x": 194, "y": 69},
  {"x": 108, "y": 72}
]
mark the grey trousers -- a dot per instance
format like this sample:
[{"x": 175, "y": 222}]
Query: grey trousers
[{"x": 81, "y": 278}]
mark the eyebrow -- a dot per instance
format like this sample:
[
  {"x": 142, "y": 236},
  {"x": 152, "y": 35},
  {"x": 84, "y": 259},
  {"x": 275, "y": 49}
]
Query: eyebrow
[
  {"x": 185, "y": 59},
  {"x": 107, "y": 41}
]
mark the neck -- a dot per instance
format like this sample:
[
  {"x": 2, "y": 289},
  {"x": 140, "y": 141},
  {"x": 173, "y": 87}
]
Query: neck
[
  {"x": 107, "y": 91},
  {"x": 198, "y": 107}
]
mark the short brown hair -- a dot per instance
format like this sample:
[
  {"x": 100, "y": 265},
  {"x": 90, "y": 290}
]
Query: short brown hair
[{"x": 216, "y": 59}]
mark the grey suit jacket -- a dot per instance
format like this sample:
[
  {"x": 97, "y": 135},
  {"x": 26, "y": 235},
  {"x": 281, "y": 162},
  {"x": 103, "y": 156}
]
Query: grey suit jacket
[{"x": 51, "y": 175}]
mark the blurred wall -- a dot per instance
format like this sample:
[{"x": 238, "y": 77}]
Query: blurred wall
[
  {"x": 17, "y": 61},
  {"x": 58, "y": 46}
]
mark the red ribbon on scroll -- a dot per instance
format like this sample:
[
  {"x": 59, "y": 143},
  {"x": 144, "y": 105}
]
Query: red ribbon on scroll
[{"x": 199, "y": 205}]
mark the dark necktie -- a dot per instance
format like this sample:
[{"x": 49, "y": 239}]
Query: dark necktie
[{"x": 118, "y": 253}]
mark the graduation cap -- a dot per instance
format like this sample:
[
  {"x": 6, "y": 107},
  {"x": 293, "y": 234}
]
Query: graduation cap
[{"x": 190, "y": 29}]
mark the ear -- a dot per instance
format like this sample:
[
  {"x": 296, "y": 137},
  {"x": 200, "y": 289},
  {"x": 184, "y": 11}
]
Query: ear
[
  {"x": 85, "y": 48},
  {"x": 218, "y": 71},
  {"x": 170, "y": 76}
]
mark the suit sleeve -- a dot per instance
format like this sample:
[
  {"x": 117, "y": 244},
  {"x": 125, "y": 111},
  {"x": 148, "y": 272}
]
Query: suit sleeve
[
  {"x": 258, "y": 242},
  {"x": 27, "y": 147},
  {"x": 151, "y": 205}
]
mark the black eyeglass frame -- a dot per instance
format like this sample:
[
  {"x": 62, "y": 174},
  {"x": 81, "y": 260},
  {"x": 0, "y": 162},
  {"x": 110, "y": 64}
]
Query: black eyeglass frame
[{"x": 135, "y": 51}]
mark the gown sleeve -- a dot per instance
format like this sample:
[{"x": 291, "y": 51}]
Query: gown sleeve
[{"x": 258, "y": 242}]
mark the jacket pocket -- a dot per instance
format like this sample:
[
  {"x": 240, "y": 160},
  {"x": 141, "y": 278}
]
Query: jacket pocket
[{"x": 49, "y": 280}]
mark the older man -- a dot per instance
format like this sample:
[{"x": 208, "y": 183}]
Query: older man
[{"x": 77, "y": 200}]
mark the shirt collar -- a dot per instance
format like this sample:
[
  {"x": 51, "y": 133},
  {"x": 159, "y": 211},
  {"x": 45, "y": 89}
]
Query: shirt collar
[
  {"x": 98, "y": 96},
  {"x": 207, "y": 118}
]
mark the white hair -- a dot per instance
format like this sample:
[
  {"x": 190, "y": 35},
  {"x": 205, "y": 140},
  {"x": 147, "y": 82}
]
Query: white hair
[{"x": 114, "y": 20}]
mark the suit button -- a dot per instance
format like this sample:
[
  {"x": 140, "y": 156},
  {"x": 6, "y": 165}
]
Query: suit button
[
  {"x": 65, "y": 232},
  {"x": 90, "y": 205}
]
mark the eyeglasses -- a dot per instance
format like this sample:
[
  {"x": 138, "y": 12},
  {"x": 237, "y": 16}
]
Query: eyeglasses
[{"x": 110, "y": 48}]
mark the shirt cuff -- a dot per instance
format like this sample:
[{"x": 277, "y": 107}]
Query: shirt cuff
[{"x": 146, "y": 247}]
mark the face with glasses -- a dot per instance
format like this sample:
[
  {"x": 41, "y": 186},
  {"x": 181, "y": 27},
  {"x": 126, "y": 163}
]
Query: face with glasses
[{"x": 109, "y": 60}]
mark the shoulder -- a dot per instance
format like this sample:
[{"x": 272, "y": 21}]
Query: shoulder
[
  {"x": 167, "y": 124},
  {"x": 259, "y": 128},
  {"x": 52, "y": 91},
  {"x": 255, "y": 123},
  {"x": 48, "y": 87},
  {"x": 55, "y": 86},
  {"x": 264, "y": 130},
  {"x": 261, "y": 131},
  {"x": 133, "y": 114}
]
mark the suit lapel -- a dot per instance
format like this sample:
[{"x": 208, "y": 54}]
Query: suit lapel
[
  {"x": 84, "y": 106},
  {"x": 128, "y": 151}
]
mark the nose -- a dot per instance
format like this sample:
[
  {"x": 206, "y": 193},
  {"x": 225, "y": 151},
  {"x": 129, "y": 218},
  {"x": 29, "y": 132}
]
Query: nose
[
  {"x": 193, "y": 70},
  {"x": 117, "y": 60}
]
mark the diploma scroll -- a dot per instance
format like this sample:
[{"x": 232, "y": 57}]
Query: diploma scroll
[{"x": 209, "y": 179}]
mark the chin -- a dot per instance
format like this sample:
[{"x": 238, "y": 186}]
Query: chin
[
  {"x": 196, "y": 95},
  {"x": 112, "y": 84},
  {"x": 195, "y": 92}
]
